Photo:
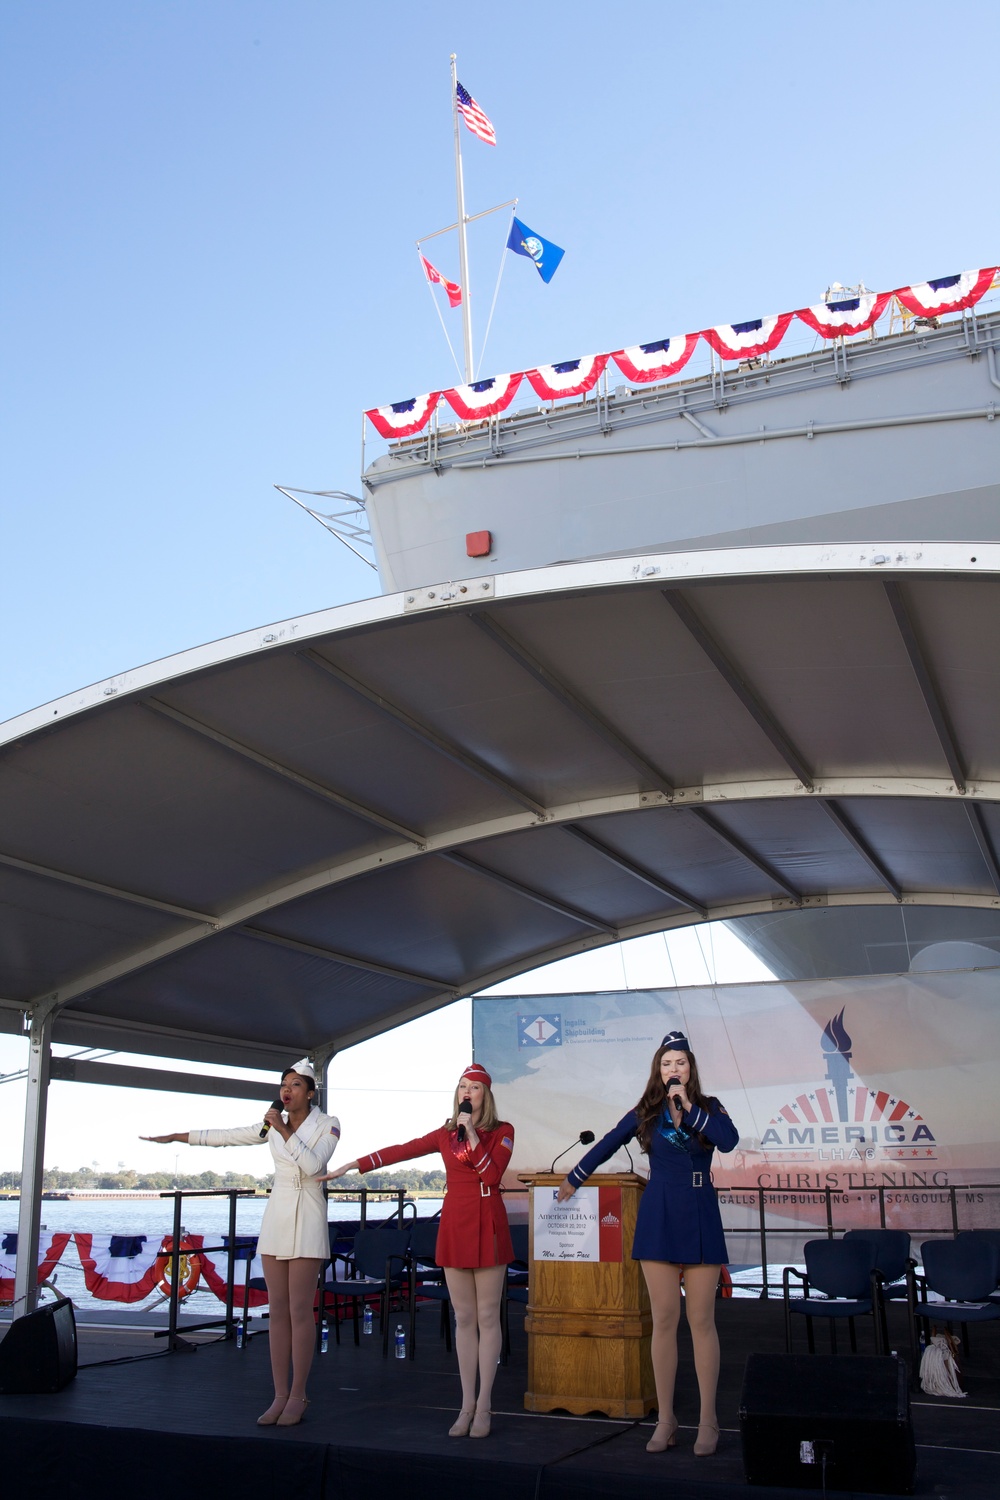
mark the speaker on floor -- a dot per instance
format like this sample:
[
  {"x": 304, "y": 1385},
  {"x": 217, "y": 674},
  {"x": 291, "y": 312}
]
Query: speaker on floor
[
  {"x": 814, "y": 1419},
  {"x": 38, "y": 1355}
]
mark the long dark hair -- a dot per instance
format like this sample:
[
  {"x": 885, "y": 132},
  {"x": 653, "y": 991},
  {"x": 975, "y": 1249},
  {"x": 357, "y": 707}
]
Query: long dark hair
[{"x": 654, "y": 1099}]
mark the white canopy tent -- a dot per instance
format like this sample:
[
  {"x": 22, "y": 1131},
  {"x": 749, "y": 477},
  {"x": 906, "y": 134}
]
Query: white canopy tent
[{"x": 304, "y": 835}]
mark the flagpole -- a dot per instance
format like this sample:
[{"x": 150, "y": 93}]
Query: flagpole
[{"x": 463, "y": 249}]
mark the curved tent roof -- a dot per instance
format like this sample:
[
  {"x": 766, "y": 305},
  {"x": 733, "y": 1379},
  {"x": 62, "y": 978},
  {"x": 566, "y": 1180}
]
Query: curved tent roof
[{"x": 305, "y": 834}]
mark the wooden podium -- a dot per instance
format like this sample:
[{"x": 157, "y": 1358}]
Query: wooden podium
[{"x": 588, "y": 1321}]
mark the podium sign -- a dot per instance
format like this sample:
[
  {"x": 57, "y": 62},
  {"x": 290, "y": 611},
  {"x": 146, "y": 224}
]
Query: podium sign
[
  {"x": 588, "y": 1320},
  {"x": 587, "y": 1227}
]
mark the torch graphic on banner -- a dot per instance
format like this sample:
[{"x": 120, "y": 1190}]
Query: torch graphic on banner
[{"x": 836, "y": 1044}]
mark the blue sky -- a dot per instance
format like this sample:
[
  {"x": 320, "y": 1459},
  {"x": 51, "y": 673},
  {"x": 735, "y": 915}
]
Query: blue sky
[{"x": 210, "y": 209}]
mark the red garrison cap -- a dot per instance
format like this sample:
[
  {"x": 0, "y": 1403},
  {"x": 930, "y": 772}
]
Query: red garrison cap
[{"x": 477, "y": 1074}]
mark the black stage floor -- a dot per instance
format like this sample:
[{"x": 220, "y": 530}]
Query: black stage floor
[{"x": 183, "y": 1426}]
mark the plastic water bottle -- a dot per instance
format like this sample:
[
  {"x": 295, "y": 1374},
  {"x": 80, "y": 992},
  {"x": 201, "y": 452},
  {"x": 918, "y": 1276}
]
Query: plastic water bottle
[
  {"x": 400, "y": 1341},
  {"x": 239, "y": 1334},
  {"x": 367, "y": 1320},
  {"x": 324, "y": 1338}
]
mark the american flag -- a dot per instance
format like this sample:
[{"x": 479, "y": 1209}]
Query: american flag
[
  {"x": 478, "y": 122},
  {"x": 451, "y": 287}
]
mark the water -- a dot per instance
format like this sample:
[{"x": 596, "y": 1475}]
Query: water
[{"x": 155, "y": 1217}]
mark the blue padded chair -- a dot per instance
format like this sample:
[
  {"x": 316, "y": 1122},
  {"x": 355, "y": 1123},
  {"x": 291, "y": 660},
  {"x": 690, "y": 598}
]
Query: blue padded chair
[
  {"x": 892, "y": 1256},
  {"x": 427, "y": 1277},
  {"x": 892, "y": 1261},
  {"x": 515, "y": 1287},
  {"x": 381, "y": 1267},
  {"x": 964, "y": 1272},
  {"x": 844, "y": 1272},
  {"x": 991, "y": 1237}
]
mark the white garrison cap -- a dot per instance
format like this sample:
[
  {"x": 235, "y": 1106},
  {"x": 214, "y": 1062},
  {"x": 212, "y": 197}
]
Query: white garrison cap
[{"x": 305, "y": 1067}]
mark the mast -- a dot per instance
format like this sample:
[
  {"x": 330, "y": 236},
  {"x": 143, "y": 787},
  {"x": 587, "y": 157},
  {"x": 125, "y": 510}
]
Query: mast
[{"x": 463, "y": 249}]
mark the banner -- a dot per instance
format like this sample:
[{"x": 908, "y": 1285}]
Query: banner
[
  {"x": 852, "y": 1085},
  {"x": 50, "y": 1249}
]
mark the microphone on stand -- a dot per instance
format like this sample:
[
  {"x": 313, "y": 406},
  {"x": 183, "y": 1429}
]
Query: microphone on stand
[
  {"x": 465, "y": 1108},
  {"x": 583, "y": 1139},
  {"x": 275, "y": 1104}
]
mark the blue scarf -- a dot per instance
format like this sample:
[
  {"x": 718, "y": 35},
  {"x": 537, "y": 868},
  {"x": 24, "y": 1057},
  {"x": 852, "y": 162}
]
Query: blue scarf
[{"x": 675, "y": 1135}]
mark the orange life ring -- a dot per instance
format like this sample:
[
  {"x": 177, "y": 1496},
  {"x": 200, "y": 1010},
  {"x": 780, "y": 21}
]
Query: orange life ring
[
  {"x": 725, "y": 1282},
  {"x": 188, "y": 1267}
]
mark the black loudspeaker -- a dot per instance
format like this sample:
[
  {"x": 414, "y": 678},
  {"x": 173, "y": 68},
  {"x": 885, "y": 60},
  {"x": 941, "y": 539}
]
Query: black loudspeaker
[
  {"x": 38, "y": 1355},
  {"x": 809, "y": 1417}
]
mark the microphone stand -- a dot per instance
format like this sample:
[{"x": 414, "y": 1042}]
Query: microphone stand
[{"x": 583, "y": 1139}]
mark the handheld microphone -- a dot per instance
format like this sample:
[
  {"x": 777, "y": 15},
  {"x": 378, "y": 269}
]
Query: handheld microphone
[
  {"x": 465, "y": 1108},
  {"x": 275, "y": 1104},
  {"x": 675, "y": 1083},
  {"x": 583, "y": 1139}
]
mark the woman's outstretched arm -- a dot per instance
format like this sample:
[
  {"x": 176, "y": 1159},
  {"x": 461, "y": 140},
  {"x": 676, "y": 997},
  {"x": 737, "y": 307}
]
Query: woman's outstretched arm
[
  {"x": 388, "y": 1156},
  {"x": 239, "y": 1135}
]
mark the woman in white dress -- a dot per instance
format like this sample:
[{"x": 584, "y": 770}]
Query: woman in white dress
[{"x": 294, "y": 1240}]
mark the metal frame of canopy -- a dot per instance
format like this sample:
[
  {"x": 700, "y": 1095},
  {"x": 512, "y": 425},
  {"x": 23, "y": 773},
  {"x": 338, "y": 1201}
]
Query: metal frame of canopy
[{"x": 306, "y": 834}]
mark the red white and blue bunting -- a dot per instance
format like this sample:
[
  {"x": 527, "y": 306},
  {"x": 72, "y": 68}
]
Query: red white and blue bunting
[
  {"x": 484, "y": 398},
  {"x": 405, "y": 417},
  {"x": 119, "y": 1267},
  {"x": 644, "y": 363},
  {"x": 845, "y": 316},
  {"x": 931, "y": 299},
  {"x": 574, "y": 377},
  {"x": 214, "y": 1267},
  {"x": 50, "y": 1249},
  {"x": 748, "y": 340}
]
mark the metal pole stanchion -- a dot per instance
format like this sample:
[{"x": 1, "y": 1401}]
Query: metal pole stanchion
[
  {"x": 231, "y": 1267},
  {"x": 763, "y": 1243}
]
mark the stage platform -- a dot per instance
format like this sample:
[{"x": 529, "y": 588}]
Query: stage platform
[{"x": 183, "y": 1426}]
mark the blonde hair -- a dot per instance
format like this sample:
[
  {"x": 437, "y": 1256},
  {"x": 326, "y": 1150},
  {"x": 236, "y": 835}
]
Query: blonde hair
[{"x": 489, "y": 1119}]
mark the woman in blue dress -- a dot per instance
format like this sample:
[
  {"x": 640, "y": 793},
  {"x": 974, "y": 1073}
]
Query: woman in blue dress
[{"x": 679, "y": 1227}]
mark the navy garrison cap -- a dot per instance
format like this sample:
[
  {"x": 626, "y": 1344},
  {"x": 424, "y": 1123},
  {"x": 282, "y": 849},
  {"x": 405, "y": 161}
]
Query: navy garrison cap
[{"x": 676, "y": 1041}]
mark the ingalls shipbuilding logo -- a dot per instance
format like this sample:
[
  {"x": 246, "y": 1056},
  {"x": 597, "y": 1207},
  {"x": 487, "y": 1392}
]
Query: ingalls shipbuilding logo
[
  {"x": 842, "y": 1119},
  {"x": 539, "y": 1031}
]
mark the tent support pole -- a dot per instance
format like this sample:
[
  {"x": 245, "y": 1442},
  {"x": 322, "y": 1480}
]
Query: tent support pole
[{"x": 33, "y": 1158}]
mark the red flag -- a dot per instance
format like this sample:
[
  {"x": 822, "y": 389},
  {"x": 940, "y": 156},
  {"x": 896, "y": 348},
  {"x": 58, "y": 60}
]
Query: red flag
[{"x": 451, "y": 287}]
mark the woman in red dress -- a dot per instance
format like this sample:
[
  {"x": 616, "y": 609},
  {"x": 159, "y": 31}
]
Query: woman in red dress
[{"x": 473, "y": 1243}]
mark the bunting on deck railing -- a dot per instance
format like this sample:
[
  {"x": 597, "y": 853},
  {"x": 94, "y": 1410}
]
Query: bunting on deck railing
[
  {"x": 574, "y": 377},
  {"x": 119, "y": 1267},
  {"x": 748, "y": 340},
  {"x": 931, "y": 299},
  {"x": 215, "y": 1264},
  {"x": 484, "y": 398},
  {"x": 405, "y": 417},
  {"x": 130, "y": 1267},
  {"x": 50, "y": 1249},
  {"x": 642, "y": 364},
  {"x": 647, "y": 362},
  {"x": 845, "y": 316}
]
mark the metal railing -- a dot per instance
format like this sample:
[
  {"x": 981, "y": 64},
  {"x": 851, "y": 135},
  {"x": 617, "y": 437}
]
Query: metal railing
[
  {"x": 956, "y": 1199},
  {"x": 175, "y": 1342}
]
